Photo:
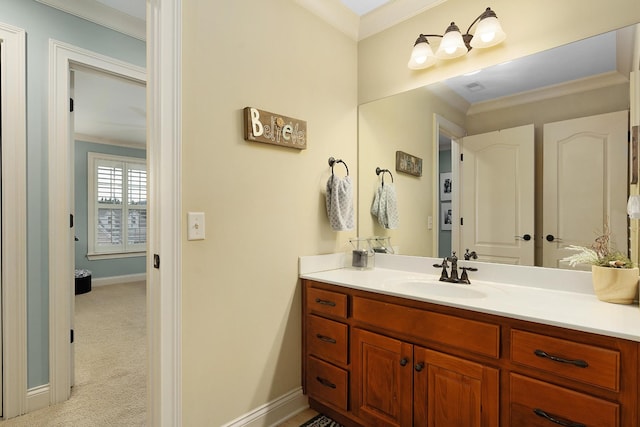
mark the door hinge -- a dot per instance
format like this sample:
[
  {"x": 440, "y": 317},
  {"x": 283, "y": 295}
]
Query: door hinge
[
  {"x": 70, "y": 220},
  {"x": 156, "y": 261},
  {"x": 461, "y": 157},
  {"x": 461, "y": 221},
  {"x": 71, "y": 105},
  {"x": 71, "y": 336}
]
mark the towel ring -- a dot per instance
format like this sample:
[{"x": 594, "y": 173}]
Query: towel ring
[
  {"x": 382, "y": 171},
  {"x": 333, "y": 161}
]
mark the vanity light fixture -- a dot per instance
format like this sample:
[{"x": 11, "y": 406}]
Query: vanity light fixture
[{"x": 455, "y": 44}]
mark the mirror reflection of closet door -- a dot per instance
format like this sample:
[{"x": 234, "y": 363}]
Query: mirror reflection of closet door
[
  {"x": 584, "y": 184},
  {"x": 497, "y": 196}
]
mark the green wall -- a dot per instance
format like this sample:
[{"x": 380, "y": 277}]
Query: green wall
[
  {"x": 104, "y": 267},
  {"x": 41, "y": 24}
]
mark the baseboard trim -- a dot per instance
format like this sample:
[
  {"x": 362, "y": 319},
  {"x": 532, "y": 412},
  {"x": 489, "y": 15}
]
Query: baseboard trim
[
  {"x": 274, "y": 412},
  {"x": 114, "y": 280},
  {"x": 38, "y": 398}
]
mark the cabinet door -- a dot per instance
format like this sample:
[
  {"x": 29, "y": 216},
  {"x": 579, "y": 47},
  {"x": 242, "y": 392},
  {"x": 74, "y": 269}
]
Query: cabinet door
[
  {"x": 453, "y": 392},
  {"x": 382, "y": 379}
]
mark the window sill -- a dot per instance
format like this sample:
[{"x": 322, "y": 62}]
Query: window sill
[{"x": 96, "y": 257}]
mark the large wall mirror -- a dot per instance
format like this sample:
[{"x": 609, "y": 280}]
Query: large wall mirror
[{"x": 585, "y": 79}]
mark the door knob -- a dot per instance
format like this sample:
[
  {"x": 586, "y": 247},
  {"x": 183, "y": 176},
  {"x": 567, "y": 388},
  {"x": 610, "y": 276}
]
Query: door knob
[
  {"x": 525, "y": 237},
  {"x": 552, "y": 238},
  {"x": 404, "y": 361}
]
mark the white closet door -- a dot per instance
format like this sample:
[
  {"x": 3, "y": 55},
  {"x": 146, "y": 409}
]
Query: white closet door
[
  {"x": 584, "y": 184},
  {"x": 497, "y": 195}
]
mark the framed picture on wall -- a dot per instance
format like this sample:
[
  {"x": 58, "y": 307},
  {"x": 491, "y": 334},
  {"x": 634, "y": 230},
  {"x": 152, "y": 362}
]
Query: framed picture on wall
[
  {"x": 446, "y": 216},
  {"x": 446, "y": 186}
]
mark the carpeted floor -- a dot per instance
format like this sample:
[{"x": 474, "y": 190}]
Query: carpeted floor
[{"x": 110, "y": 374}]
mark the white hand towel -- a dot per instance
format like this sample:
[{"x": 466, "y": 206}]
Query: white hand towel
[
  {"x": 339, "y": 200},
  {"x": 385, "y": 206}
]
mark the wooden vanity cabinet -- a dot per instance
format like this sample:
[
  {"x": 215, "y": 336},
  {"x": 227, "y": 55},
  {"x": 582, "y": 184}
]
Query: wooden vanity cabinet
[
  {"x": 376, "y": 361},
  {"x": 399, "y": 384}
]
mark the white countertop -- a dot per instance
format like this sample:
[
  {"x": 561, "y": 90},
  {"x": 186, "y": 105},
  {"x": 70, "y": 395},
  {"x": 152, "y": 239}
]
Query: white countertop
[{"x": 548, "y": 296}]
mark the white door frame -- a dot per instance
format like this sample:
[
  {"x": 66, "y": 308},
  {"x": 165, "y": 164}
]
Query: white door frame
[
  {"x": 61, "y": 59},
  {"x": 164, "y": 157},
  {"x": 455, "y": 132},
  {"x": 164, "y": 388},
  {"x": 13, "y": 347}
]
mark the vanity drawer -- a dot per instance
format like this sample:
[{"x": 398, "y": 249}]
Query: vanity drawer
[
  {"x": 327, "y": 339},
  {"x": 327, "y": 302},
  {"x": 471, "y": 335},
  {"x": 327, "y": 382},
  {"x": 532, "y": 401},
  {"x": 581, "y": 362}
]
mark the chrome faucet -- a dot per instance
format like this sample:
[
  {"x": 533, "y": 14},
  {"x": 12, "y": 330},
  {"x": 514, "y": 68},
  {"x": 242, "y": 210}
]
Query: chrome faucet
[{"x": 453, "y": 277}]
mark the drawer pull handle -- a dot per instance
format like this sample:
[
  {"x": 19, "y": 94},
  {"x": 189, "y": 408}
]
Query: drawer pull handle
[
  {"x": 326, "y": 339},
  {"x": 325, "y": 302},
  {"x": 577, "y": 362},
  {"x": 543, "y": 414},
  {"x": 325, "y": 382},
  {"x": 404, "y": 361}
]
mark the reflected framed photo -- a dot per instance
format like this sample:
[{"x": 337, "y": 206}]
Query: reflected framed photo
[
  {"x": 446, "y": 216},
  {"x": 446, "y": 186}
]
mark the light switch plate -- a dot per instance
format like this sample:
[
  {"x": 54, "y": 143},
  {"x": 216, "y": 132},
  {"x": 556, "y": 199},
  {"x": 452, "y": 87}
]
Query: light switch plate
[
  {"x": 429, "y": 222},
  {"x": 195, "y": 224}
]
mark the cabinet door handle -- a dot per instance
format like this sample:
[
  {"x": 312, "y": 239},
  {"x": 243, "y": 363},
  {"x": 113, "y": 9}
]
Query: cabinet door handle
[
  {"x": 543, "y": 414},
  {"x": 326, "y": 339},
  {"x": 404, "y": 361},
  {"x": 325, "y": 382},
  {"x": 419, "y": 366},
  {"x": 576, "y": 362},
  {"x": 325, "y": 302}
]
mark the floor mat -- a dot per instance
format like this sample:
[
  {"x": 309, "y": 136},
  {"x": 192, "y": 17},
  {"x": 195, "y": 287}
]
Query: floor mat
[{"x": 321, "y": 421}]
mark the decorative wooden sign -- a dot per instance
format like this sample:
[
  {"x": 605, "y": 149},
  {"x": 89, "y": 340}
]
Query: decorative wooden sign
[
  {"x": 408, "y": 164},
  {"x": 270, "y": 128}
]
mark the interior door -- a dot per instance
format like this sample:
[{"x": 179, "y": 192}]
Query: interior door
[
  {"x": 584, "y": 184},
  {"x": 497, "y": 196}
]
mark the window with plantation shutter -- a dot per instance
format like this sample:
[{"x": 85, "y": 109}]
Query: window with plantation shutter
[{"x": 117, "y": 205}]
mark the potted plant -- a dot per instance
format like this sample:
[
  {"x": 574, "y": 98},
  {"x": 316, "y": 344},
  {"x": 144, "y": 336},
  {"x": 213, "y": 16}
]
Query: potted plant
[{"x": 615, "y": 277}]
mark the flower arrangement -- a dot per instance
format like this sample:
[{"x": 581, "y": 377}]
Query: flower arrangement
[{"x": 600, "y": 254}]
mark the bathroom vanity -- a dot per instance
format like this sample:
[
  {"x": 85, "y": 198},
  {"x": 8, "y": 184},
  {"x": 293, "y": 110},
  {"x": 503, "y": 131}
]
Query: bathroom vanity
[{"x": 394, "y": 347}]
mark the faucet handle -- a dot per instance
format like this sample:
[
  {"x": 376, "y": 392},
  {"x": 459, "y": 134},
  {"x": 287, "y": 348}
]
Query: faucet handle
[{"x": 468, "y": 255}]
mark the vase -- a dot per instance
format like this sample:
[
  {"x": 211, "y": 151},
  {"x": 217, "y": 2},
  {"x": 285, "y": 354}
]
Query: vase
[{"x": 616, "y": 285}]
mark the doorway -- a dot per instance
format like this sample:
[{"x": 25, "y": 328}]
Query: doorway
[
  {"x": 108, "y": 187},
  {"x": 61, "y": 241}
]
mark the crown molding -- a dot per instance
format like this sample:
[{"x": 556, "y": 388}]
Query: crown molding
[
  {"x": 392, "y": 13},
  {"x": 101, "y": 14},
  {"x": 581, "y": 85},
  {"x": 335, "y": 13},
  {"x": 344, "y": 19}
]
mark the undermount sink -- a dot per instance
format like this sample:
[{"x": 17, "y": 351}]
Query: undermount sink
[{"x": 421, "y": 287}]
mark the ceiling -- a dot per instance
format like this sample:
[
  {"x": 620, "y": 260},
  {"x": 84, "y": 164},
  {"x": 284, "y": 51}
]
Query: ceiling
[{"x": 111, "y": 109}]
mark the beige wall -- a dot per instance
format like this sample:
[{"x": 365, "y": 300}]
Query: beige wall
[
  {"x": 531, "y": 26},
  {"x": 403, "y": 122},
  {"x": 263, "y": 204}
]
